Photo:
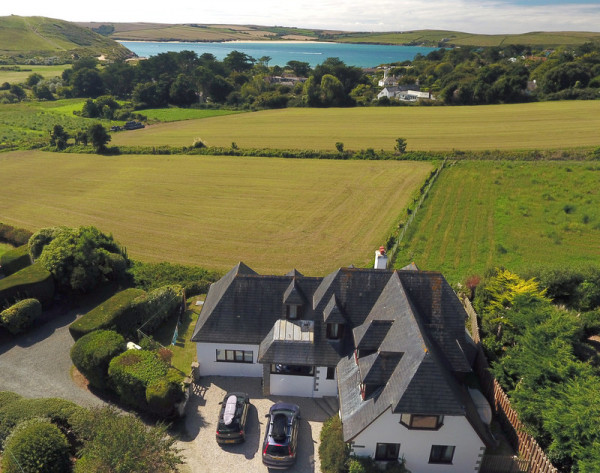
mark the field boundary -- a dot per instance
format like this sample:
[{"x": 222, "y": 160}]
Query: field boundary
[
  {"x": 526, "y": 446},
  {"x": 393, "y": 251}
]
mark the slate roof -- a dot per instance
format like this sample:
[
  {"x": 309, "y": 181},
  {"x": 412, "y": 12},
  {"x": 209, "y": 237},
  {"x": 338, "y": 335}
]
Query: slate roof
[{"x": 409, "y": 322}]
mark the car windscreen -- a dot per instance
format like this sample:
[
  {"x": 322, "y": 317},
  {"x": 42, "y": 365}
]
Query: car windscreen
[{"x": 278, "y": 450}]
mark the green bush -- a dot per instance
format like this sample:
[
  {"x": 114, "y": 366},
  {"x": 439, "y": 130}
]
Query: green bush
[
  {"x": 333, "y": 451},
  {"x": 91, "y": 355},
  {"x": 113, "y": 314},
  {"x": 20, "y": 316},
  {"x": 131, "y": 372},
  {"x": 36, "y": 446},
  {"x": 41, "y": 238},
  {"x": 162, "y": 394},
  {"x": 6, "y": 397},
  {"x": 194, "y": 279},
  {"x": 57, "y": 411},
  {"x": 15, "y": 260},
  {"x": 156, "y": 307},
  {"x": 81, "y": 258},
  {"x": 14, "y": 236},
  {"x": 32, "y": 281},
  {"x": 368, "y": 465}
]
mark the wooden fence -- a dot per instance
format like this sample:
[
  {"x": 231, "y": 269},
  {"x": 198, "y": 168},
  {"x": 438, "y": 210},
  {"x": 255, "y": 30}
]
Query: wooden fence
[{"x": 532, "y": 458}]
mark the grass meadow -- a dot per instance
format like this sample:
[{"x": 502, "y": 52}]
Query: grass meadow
[
  {"x": 545, "y": 125},
  {"x": 174, "y": 114},
  {"x": 274, "y": 214},
  {"x": 18, "y": 74},
  {"x": 519, "y": 215}
]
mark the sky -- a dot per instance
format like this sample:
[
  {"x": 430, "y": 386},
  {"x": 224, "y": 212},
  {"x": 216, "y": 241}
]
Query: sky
[{"x": 470, "y": 16}]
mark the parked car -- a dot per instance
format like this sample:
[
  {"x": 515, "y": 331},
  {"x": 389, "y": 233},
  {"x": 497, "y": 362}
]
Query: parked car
[
  {"x": 281, "y": 435},
  {"x": 231, "y": 426}
]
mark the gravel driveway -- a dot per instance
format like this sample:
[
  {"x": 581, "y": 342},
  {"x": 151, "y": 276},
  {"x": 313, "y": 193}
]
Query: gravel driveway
[{"x": 201, "y": 450}]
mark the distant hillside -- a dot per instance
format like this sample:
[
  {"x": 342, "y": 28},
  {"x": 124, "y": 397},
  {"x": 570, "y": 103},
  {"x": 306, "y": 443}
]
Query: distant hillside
[
  {"x": 204, "y": 32},
  {"x": 40, "y": 39}
]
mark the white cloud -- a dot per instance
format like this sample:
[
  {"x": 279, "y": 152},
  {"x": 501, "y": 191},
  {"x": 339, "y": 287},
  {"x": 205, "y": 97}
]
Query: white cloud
[{"x": 473, "y": 16}]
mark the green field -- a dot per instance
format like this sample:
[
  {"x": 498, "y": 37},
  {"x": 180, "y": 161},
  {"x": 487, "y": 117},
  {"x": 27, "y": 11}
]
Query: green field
[
  {"x": 274, "y": 214},
  {"x": 545, "y": 125},
  {"x": 519, "y": 215},
  {"x": 4, "y": 248},
  {"x": 21, "y": 73},
  {"x": 174, "y": 114}
]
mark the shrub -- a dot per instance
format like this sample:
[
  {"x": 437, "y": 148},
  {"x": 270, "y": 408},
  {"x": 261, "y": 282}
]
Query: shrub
[
  {"x": 81, "y": 258},
  {"x": 368, "y": 465},
  {"x": 194, "y": 279},
  {"x": 92, "y": 353},
  {"x": 15, "y": 260},
  {"x": 36, "y": 446},
  {"x": 6, "y": 397},
  {"x": 41, "y": 238},
  {"x": 20, "y": 316},
  {"x": 157, "y": 306},
  {"x": 333, "y": 451},
  {"x": 32, "y": 281},
  {"x": 14, "y": 236},
  {"x": 112, "y": 314},
  {"x": 162, "y": 394},
  {"x": 57, "y": 411},
  {"x": 131, "y": 372},
  {"x": 114, "y": 442}
]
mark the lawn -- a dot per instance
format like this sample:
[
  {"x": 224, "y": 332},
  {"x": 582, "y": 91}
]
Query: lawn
[
  {"x": 184, "y": 350},
  {"x": 545, "y": 125},
  {"x": 518, "y": 215},
  {"x": 4, "y": 247},
  {"x": 274, "y": 214}
]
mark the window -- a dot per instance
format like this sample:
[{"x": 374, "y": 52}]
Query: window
[
  {"x": 334, "y": 331},
  {"x": 441, "y": 454},
  {"x": 331, "y": 372},
  {"x": 235, "y": 356},
  {"x": 293, "y": 311},
  {"x": 293, "y": 370},
  {"x": 415, "y": 421},
  {"x": 387, "y": 451}
]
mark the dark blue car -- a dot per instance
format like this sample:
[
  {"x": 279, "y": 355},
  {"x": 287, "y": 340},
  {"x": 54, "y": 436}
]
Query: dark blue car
[{"x": 281, "y": 435}]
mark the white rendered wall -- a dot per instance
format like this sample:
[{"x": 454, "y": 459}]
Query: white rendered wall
[
  {"x": 325, "y": 387},
  {"x": 415, "y": 445},
  {"x": 207, "y": 355}
]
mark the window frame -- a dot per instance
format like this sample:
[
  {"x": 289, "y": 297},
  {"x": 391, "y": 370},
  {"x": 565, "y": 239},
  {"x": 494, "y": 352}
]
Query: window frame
[
  {"x": 330, "y": 372},
  {"x": 387, "y": 457},
  {"x": 284, "y": 371},
  {"x": 411, "y": 424},
  {"x": 234, "y": 356},
  {"x": 442, "y": 457},
  {"x": 335, "y": 331}
]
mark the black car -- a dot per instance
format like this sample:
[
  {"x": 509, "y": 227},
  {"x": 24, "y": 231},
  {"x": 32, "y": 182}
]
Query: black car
[
  {"x": 281, "y": 435},
  {"x": 231, "y": 427}
]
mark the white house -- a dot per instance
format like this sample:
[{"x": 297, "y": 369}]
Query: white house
[{"x": 390, "y": 344}]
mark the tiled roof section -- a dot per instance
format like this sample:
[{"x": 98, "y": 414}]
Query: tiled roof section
[
  {"x": 410, "y": 267},
  {"x": 430, "y": 390},
  {"x": 293, "y": 294},
  {"x": 356, "y": 291},
  {"x": 369, "y": 336},
  {"x": 243, "y": 306},
  {"x": 295, "y": 273},
  {"x": 332, "y": 313},
  {"x": 440, "y": 312},
  {"x": 376, "y": 369}
]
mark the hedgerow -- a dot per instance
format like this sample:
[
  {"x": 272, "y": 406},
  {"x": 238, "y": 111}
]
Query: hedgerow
[
  {"x": 32, "y": 281},
  {"x": 333, "y": 451},
  {"x": 36, "y": 446},
  {"x": 194, "y": 279},
  {"x": 20, "y": 316},
  {"x": 92, "y": 353},
  {"x": 14, "y": 260},
  {"x": 113, "y": 314},
  {"x": 131, "y": 372},
  {"x": 57, "y": 411},
  {"x": 13, "y": 235},
  {"x": 163, "y": 393}
]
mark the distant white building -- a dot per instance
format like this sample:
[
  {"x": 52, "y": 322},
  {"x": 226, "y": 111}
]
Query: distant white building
[
  {"x": 387, "y": 80},
  {"x": 405, "y": 93}
]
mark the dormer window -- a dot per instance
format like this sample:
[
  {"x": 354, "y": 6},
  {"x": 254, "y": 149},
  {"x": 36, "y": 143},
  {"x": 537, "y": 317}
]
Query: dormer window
[
  {"x": 367, "y": 389},
  {"x": 293, "y": 312},
  {"x": 422, "y": 422},
  {"x": 335, "y": 331}
]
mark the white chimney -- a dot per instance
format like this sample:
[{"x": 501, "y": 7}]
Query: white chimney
[{"x": 380, "y": 258}]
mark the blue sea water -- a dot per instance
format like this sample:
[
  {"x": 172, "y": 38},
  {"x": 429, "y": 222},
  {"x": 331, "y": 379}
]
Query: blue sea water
[{"x": 360, "y": 55}]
